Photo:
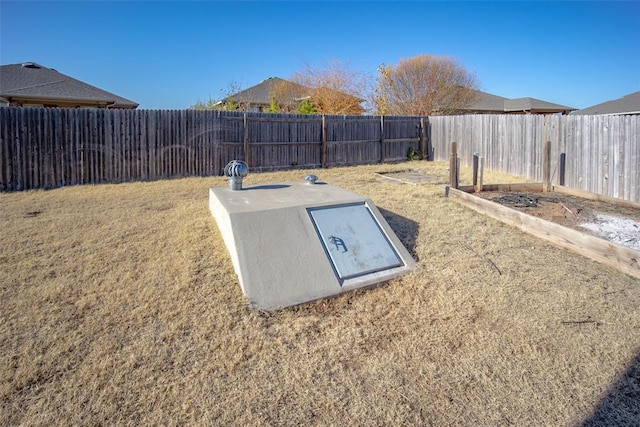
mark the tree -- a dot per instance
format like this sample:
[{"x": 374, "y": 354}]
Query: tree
[
  {"x": 335, "y": 87},
  {"x": 307, "y": 107},
  {"x": 209, "y": 104},
  {"x": 288, "y": 95},
  {"x": 273, "y": 107},
  {"x": 229, "y": 104},
  {"x": 424, "y": 85},
  {"x": 225, "y": 103}
]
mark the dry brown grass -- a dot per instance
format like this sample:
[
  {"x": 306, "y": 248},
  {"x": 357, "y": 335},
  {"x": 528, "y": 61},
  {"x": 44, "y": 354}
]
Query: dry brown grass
[{"x": 119, "y": 305}]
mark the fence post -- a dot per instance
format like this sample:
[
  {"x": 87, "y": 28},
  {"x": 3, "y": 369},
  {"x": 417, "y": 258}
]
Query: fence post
[
  {"x": 561, "y": 167},
  {"x": 453, "y": 166},
  {"x": 324, "y": 141},
  {"x": 382, "y": 139},
  {"x": 246, "y": 139},
  {"x": 423, "y": 140},
  {"x": 546, "y": 166}
]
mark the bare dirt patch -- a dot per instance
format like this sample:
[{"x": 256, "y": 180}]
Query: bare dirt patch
[
  {"x": 408, "y": 177},
  {"x": 616, "y": 223}
]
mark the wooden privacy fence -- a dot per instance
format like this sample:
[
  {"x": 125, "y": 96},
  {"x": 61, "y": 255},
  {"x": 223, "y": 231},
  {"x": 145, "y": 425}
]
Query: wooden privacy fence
[
  {"x": 52, "y": 147},
  {"x": 47, "y": 148},
  {"x": 601, "y": 154},
  {"x": 274, "y": 141}
]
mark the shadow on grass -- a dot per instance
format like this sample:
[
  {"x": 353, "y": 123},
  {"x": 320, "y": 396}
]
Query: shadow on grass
[
  {"x": 622, "y": 404},
  {"x": 405, "y": 229}
]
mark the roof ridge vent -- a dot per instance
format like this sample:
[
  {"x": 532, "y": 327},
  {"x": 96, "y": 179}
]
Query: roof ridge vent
[{"x": 30, "y": 65}]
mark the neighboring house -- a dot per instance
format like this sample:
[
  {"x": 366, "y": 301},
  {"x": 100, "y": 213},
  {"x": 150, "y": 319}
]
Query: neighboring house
[
  {"x": 486, "y": 103},
  {"x": 627, "y": 105},
  {"x": 288, "y": 94},
  {"x": 258, "y": 97},
  {"x": 33, "y": 85}
]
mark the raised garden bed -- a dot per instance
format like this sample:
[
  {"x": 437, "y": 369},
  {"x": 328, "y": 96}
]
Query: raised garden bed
[{"x": 601, "y": 228}]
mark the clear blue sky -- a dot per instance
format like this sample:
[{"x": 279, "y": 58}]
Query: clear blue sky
[{"x": 167, "y": 55}]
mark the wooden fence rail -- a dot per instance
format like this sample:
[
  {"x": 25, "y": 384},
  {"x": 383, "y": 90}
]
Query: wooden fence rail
[{"x": 48, "y": 148}]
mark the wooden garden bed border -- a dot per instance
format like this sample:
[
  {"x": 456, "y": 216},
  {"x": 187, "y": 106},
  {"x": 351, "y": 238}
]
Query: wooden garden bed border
[{"x": 622, "y": 258}]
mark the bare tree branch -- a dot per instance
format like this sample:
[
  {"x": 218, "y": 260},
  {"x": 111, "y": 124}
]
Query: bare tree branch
[{"x": 424, "y": 85}]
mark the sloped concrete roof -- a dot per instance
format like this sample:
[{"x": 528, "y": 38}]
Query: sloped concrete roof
[
  {"x": 31, "y": 81},
  {"x": 305, "y": 267},
  {"x": 628, "y": 104}
]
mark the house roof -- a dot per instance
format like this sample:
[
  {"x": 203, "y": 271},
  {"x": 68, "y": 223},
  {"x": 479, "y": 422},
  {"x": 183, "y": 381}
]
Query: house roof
[
  {"x": 534, "y": 105},
  {"x": 31, "y": 81},
  {"x": 263, "y": 91},
  {"x": 488, "y": 103},
  {"x": 628, "y": 104}
]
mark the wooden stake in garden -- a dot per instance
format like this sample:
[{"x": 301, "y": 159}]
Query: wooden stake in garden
[
  {"x": 480, "y": 175},
  {"x": 546, "y": 167},
  {"x": 474, "y": 180},
  {"x": 453, "y": 166}
]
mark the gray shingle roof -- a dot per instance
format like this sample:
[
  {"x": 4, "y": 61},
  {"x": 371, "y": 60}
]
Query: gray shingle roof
[
  {"x": 534, "y": 105},
  {"x": 628, "y": 104},
  {"x": 488, "y": 103},
  {"x": 33, "y": 81},
  {"x": 263, "y": 91}
]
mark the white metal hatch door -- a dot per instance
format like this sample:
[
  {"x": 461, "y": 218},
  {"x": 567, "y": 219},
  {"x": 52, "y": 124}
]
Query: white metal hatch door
[{"x": 353, "y": 240}]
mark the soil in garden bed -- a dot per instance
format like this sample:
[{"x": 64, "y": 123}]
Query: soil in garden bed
[{"x": 614, "y": 222}]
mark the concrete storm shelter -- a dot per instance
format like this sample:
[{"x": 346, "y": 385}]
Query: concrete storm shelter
[{"x": 298, "y": 242}]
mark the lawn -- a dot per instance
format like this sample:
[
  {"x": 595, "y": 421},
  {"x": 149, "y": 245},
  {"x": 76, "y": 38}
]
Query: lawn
[{"x": 119, "y": 305}]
